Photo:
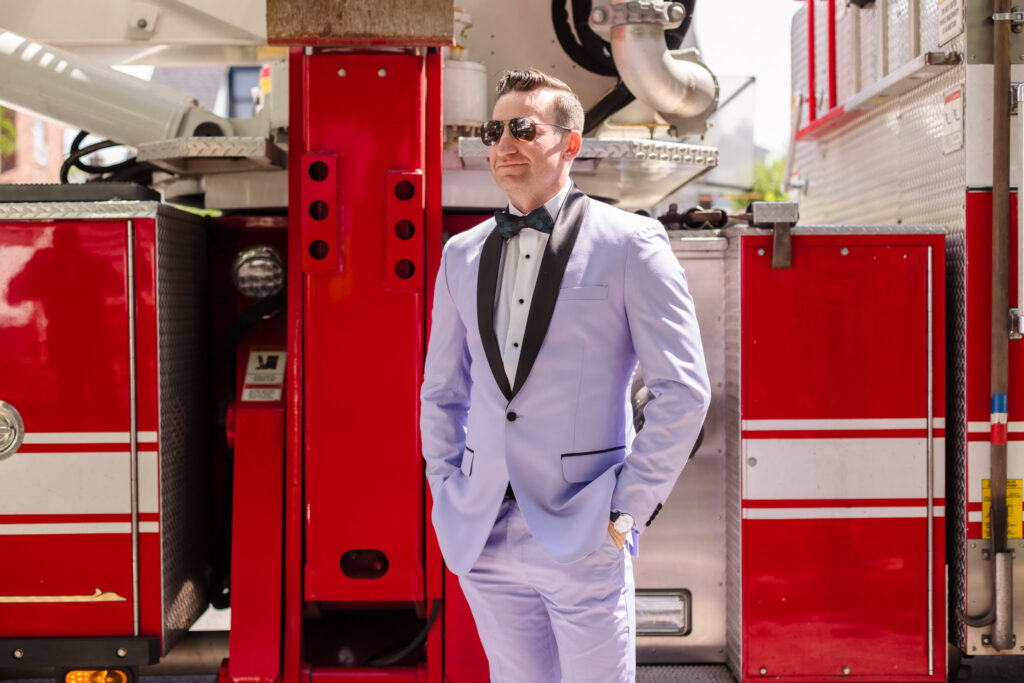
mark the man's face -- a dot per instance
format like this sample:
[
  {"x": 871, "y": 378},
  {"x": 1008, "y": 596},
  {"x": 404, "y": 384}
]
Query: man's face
[{"x": 528, "y": 168}]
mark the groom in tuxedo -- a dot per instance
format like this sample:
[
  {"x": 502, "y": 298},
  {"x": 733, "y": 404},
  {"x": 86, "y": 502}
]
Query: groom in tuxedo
[{"x": 539, "y": 318}]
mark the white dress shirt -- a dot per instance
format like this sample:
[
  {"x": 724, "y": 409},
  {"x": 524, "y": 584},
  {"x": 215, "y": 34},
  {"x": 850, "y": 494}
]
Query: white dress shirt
[{"x": 520, "y": 264}]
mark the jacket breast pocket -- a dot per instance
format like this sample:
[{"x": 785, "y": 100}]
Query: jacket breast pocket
[
  {"x": 467, "y": 462},
  {"x": 589, "y": 465},
  {"x": 590, "y": 293}
]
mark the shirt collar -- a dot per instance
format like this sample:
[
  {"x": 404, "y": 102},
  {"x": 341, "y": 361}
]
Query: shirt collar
[{"x": 553, "y": 205}]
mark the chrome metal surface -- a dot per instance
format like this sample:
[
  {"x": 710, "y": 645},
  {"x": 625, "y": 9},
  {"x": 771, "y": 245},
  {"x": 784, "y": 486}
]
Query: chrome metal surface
[
  {"x": 693, "y": 517},
  {"x": 133, "y": 437},
  {"x": 844, "y": 230},
  {"x": 621, "y": 149},
  {"x": 12, "y": 430},
  {"x": 768, "y": 213},
  {"x": 1016, "y": 323},
  {"x": 213, "y": 154},
  {"x": 903, "y": 79},
  {"x": 978, "y": 641},
  {"x": 633, "y": 174},
  {"x": 898, "y": 42},
  {"x": 1014, "y": 17},
  {"x": 675, "y": 83},
  {"x": 663, "y": 612},
  {"x": 1002, "y": 629},
  {"x": 665, "y": 14},
  {"x": 27, "y": 211},
  {"x": 869, "y": 161},
  {"x": 258, "y": 271}
]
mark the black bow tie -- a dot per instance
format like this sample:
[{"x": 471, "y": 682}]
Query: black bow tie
[{"x": 509, "y": 225}]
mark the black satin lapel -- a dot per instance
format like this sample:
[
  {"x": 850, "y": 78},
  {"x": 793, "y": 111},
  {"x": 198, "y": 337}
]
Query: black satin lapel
[
  {"x": 486, "y": 286},
  {"x": 549, "y": 280}
]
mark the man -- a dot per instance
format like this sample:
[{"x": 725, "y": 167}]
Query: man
[{"x": 525, "y": 415}]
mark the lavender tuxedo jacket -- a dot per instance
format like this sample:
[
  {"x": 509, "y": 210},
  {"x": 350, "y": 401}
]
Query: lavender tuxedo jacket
[{"x": 609, "y": 292}]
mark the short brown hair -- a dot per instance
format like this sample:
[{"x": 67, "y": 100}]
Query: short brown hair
[{"x": 568, "y": 109}]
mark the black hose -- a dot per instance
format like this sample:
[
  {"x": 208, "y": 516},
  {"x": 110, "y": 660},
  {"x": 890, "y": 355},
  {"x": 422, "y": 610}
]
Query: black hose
[
  {"x": 219, "y": 586},
  {"x": 593, "y": 53},
  {"x": 575, "y": 49},
  {"x": 614, "y": 100},
  {"x": 129, "y": 169},
  {"x": 379, "y": 660}
]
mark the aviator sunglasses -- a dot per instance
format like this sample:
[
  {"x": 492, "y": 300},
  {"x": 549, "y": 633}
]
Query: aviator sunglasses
[{"x": 522, "y": 128}]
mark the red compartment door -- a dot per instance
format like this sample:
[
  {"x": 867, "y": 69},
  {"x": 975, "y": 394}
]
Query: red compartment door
[
  {"x": 65, "y": 495},
  {"x": 842, "y": 404}
]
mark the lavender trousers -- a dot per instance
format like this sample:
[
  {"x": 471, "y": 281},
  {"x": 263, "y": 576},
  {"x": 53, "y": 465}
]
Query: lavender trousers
[{"x": 541, "y": 621}]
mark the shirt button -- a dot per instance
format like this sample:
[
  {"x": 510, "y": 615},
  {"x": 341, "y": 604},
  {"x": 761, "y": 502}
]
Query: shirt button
[
  {"x": 522, "y": 301},
  {"x": 511, "y": 417},
  {"x": 515, "y": 345},
  {"x": 526, "y": 256}
]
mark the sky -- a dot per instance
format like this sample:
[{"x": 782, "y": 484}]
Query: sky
[{"x": 751, "y": 38}]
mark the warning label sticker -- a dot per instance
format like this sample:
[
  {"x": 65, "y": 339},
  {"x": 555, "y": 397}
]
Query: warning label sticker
[
  {"x": 1013, "y": 509},
  {"x": 951, "y": 20},
  {"x": 264, "y": 374},
  {"x": 953, "y": 121}
]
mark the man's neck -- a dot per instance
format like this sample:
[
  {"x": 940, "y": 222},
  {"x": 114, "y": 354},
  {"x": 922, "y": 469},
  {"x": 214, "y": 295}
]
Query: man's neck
[{"x": 527, "y": 203}]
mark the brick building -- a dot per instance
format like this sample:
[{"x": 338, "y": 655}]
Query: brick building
[{"x": 38, "y": 150}]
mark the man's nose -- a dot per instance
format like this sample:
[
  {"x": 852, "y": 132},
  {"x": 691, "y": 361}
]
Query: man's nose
[{"x": 507, "y": 141}]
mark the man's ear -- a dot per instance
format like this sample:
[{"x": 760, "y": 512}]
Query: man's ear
[{"x": 575, "y": 144}]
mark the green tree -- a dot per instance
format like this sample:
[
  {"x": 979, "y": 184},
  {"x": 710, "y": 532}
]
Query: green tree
[
  {"x": 767, "y": 185},
  {"x": 6, "y": 133}
]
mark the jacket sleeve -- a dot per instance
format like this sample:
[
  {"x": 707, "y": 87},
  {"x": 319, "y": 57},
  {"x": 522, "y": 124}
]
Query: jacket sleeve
[
  {"x": 663, "y": 327},
  {"x": 444, "y": 396}
]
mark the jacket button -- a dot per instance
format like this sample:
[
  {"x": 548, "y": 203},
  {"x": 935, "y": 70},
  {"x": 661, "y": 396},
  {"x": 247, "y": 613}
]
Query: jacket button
[{"x": 511, "y": 417}]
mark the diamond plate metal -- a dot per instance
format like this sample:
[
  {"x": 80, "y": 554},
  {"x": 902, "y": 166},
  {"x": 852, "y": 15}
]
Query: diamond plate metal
[
  {"x": 182, "y": 340},
  {"x": 845, "y": 34},
  {"x": 868, "y": 45},
  {"x": 210, "y": 154},
  {"x": 929, "y": 25},
  {"x": 798, "y": 58},
  {"x": 28, "y": 211},
  {"x": 899, "y": 34},
  {"x": 888, "y": 166},
  {"x": 733, "y": 459},
  {"x": 684, "y": 673},
  {"x": 956, "y": 432},
  {"x": 636, "y": 150}
]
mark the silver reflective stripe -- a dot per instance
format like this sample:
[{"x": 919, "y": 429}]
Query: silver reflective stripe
[{"x": 132, "y": 434}]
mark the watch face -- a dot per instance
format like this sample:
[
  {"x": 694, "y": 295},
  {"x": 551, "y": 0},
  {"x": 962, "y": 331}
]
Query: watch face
[{"x": 623, "y": 523}]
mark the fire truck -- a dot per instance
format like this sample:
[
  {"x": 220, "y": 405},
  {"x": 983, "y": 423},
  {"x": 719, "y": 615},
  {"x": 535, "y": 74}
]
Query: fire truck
[{"x": 210, "y": 354}]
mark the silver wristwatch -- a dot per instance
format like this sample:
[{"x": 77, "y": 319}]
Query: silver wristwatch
[{"x": 622, "y": 521}]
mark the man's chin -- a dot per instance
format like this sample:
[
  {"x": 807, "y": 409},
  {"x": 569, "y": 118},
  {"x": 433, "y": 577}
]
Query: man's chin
[{"x": 509, "y": 181}]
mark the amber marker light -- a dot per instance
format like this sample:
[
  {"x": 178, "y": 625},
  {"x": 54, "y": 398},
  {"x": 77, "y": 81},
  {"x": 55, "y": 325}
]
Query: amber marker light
[{"x": 96, "y": 676}]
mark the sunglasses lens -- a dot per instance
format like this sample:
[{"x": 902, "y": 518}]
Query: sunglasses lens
[
  {"x": 490, "y": 132},
  {"x": 523, "y": 129}
]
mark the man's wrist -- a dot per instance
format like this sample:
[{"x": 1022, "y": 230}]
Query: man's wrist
[{"x": 622, "y": 522}]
